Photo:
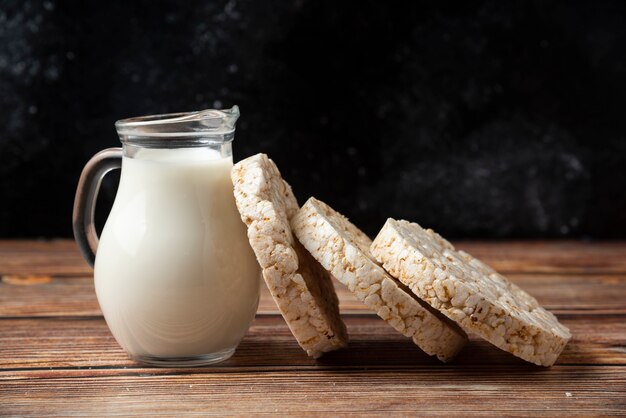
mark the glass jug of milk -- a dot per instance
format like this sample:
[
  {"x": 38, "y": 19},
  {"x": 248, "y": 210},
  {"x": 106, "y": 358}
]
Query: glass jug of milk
[{"x": 175, "y": 276}]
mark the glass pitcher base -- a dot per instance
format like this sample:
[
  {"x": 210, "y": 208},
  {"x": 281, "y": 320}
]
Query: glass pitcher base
[{"x": 191, "y": 361}]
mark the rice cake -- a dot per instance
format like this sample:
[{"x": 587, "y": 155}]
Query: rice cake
[
  {"x": 343, "y": 250},
  {"x": 469, "y": 292},
  {"x": 301, "y": 288}
]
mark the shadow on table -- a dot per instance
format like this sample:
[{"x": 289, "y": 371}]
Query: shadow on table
[{"x": 396, "y": 353}]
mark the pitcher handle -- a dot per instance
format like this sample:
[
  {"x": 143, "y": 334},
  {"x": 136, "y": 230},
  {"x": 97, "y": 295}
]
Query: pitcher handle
[{"x": 85, "y": 201}]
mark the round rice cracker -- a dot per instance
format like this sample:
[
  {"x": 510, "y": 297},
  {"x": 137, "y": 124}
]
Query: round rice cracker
[
  {"x": 343, "y": 250},
  {"x": 301, "y": 288},
  {"x": 469, "y": 292}
]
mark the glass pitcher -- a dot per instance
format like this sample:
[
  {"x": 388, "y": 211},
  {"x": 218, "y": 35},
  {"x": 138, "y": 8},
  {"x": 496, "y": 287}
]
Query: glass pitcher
[{"x": 175, "y": 276}]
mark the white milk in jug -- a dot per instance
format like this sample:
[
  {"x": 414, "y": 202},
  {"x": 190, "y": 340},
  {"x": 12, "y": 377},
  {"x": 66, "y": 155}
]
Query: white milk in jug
[{"x": 175, "y": 275}]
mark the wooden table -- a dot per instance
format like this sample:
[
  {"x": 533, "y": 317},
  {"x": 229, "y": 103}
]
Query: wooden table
[{"x": 57, "y": 356}]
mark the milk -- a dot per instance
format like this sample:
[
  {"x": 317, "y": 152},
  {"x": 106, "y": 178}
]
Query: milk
[{"x": 175, "y": 275}]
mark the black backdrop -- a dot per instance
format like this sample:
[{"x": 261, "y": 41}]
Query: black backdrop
[{"x": 479, "y": 119}]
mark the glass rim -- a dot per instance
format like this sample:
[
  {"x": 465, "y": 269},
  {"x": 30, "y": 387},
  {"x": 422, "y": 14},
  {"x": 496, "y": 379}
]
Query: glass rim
[{"x": 213, "y": 124}]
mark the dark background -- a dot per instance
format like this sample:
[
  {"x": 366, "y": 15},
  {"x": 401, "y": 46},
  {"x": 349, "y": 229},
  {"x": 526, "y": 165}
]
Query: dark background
[{"x": 479, "y": 119}]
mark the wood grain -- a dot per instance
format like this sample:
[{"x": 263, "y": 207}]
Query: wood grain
[
  {"x": 463, "y": 391},
  {"x": 550, "y": 256},
  {"x": 43, "y": 258},
  {"x": 75, "y": 296},
  {"x": 58, "y": 358},
  {"x": 61, "y": 257},
  {"x": 87, "y": 342}
]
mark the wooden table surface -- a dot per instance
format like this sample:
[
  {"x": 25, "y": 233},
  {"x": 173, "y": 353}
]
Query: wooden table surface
[{"x": 57, "y": 356}]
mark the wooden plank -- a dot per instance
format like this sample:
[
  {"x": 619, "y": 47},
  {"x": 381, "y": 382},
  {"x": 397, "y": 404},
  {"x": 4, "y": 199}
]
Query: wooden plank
[
  {"x": 473, "y": 390},
  {"x": 74, "y": 342},
  {"x": 61, "y": 257},
  {"x": 57, "y": 356},
  {"x": 576, "y": 257},
  {"x": 47, "y": 258},
  {"x": 75, "y": 296},
  {"x": 47, "y": 296}
]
